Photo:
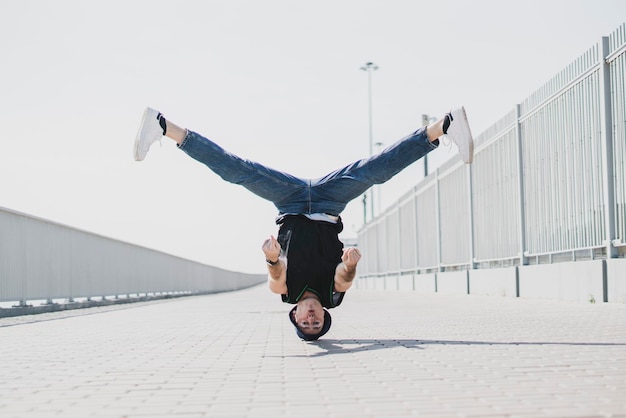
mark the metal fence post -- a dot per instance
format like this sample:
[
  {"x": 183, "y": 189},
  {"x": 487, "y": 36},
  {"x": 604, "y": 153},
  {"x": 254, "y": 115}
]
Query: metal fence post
[
  {"x": 523, "y": 260},
  {"x": 606, "y": 127},
  {"x": 438, "y": 220},
  {"x": 470, "y": 199}
]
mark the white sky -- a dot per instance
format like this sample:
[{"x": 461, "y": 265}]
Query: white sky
[{"x": 275, "y": 81}]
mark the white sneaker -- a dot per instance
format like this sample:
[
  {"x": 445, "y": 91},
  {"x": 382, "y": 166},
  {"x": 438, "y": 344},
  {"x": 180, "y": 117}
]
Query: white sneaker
[
  {"x": 150, "y": 131},
  {"x": 459, "y": 133}
]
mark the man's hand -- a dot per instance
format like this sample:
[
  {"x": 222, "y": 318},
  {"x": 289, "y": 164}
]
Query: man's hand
[
  {"x": 350, "y": 258},
  {"x": 271, "y": 248},
  {"x": 346, "y": 270},
  {"x": 277, "y": 277}
]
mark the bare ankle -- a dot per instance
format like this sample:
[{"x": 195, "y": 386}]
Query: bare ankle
[
  {"x": 175, "y": 132},
  {"x": 435, "y": 130}
]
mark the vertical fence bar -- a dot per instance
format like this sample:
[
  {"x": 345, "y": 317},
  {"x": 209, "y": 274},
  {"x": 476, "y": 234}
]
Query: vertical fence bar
[{"x": 438, "y": 221}]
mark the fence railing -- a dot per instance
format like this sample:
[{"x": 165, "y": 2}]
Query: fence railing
[
  {"x": 43, "y": 260},
  {"x": 548, "y": 183}
]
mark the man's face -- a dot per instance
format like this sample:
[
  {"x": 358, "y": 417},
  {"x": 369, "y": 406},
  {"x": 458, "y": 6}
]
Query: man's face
[{"x": 309, "y": 315}]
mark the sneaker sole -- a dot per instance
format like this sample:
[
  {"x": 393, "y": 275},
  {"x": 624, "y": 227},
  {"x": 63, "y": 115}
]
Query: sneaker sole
[
  {"x": 465, "y": 130},
  {"x": 148, "y": 113}
]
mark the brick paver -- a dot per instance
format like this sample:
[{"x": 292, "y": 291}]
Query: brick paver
[{"x": 391, "y": 354}]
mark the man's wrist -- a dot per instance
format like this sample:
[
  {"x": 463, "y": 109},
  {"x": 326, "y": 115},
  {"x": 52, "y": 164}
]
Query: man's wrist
[{"x": 270, "y": 262}]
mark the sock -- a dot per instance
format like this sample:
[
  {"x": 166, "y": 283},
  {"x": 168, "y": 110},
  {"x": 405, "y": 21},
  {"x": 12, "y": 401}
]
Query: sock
[
  {"x": 161, "y": 119},
  {"x": 446, "y": 122}
]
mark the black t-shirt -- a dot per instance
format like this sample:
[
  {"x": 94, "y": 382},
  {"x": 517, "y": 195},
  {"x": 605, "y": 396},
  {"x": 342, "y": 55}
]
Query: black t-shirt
[{"x": 313, "y": 251}]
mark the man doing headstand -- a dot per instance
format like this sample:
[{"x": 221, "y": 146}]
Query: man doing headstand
[{"x": 307, "y": 264}]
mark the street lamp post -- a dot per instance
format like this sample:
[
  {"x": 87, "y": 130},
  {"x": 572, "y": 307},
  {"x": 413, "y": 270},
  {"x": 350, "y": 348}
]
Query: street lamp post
[
  {"x": 369, "y": 67},
  {"x": 377, "y": 188},
  {"x": 425, "y": 121}
]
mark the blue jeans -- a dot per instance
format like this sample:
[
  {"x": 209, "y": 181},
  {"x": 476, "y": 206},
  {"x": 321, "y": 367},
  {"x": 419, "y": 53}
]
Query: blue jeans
[{"x": 293, "y": 195}]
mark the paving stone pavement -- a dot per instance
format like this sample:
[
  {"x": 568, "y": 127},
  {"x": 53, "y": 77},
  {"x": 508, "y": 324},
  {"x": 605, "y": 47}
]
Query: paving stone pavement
[{"x": 388, "y": 354}]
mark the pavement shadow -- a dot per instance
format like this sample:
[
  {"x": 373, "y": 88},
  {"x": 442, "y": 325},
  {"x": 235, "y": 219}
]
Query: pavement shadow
[{"x": 334, "y": 346}]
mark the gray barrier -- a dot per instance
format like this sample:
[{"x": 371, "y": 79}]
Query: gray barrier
[{"x": 43, "y": 260}]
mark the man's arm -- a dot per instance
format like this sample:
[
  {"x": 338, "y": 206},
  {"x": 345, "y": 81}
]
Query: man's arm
[
  {"x": 346, "y": 270},
  {"x": 276, "y": 267}
]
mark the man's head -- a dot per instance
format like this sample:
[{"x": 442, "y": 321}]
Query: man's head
[{"x": 310, "y": 318}]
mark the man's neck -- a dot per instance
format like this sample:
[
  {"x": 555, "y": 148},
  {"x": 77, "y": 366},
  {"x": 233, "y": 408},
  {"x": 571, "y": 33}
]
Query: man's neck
[{"x": 307, "y": 294}]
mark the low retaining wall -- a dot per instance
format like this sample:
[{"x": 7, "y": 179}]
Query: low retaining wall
[
  {"x": 494, "y": 282},
  {"x": 591, "y": 281},
  {"x": 576, "y": 281}
]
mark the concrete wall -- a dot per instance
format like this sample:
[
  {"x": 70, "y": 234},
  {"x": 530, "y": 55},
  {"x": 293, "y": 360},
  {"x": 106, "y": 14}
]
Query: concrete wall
[
  {"x": 594, "y": 281},
  {"x": 577, "y": 281},
  {"x": 405, "y": 282},
  {"x": 494, "y": 282},
  {"x": 616, "y": 280},
  {"x": 425, "y": 283},
  {"x": 454, "y": 282}
]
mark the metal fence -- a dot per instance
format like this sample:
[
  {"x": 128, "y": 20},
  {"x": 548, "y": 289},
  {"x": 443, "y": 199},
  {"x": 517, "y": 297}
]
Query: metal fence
[
  {"x": 42, "y": 260},
  {"x": 548, "y": 183}
]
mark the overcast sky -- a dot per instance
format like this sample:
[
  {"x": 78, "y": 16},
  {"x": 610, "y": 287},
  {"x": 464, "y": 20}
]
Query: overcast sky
[{"x": 275, "y": 81}]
